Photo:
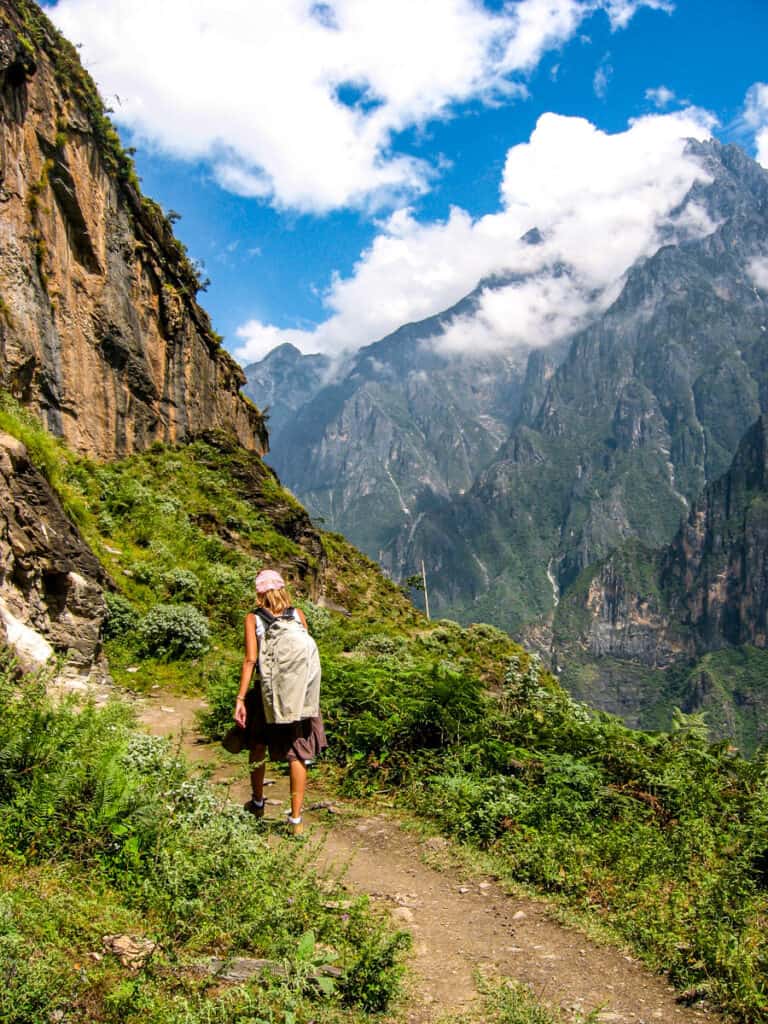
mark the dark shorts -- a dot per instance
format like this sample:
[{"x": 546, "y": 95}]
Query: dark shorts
[{"x": 299, "y": 741}]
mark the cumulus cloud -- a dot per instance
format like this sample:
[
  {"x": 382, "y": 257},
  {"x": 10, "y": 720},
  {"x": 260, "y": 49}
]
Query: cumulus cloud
[
  {"x": 600, "y": 201},
  {"x": 298, "y": 102},
  {"x": 660, "y": 97},
  {"x": 527, "y": 314},
  {"x": 755, "y": 119}
]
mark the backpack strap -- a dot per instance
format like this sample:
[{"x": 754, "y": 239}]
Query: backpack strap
[
  {"x": 269, "y": 619},
  {"x": 266, "y": 617}
]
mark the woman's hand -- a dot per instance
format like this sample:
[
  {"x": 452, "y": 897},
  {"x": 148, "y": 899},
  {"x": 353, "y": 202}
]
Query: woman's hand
[{"x": 240, "y": 712}]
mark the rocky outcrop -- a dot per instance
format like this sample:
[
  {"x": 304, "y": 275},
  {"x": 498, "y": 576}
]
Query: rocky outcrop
[
  {"x": 625, "y": 623},
  {"x": 100, "y": 330},
  {"x": 51, "y": 583}
]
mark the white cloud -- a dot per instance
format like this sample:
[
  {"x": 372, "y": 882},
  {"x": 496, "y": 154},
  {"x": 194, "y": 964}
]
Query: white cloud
[
  {"x": 660, "y": 97},
  {"x": 534, "y": 312},
  {"x": 600, "y": 201},
  {"x": 602, "y": 77},
  {"x": 755, "y": 119},
  {"x": 258, "y": 89},
  {"x": 621, "y": 12},
  {"x": 758, "y": 271}
]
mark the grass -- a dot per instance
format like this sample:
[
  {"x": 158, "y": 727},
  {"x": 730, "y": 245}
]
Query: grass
[
  {"x": 509, "y": 1002},
  {"x": 104, "y": 830}
]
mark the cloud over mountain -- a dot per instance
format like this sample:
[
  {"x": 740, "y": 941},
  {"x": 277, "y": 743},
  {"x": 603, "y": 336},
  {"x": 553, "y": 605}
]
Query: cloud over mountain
[
  {"x": 599, "y": 202},
  {"x": 755, "y": 119}
]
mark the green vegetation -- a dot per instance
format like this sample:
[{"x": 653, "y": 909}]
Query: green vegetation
[
  {"x": 730, "y": 686},
  {"x": 512, "y": 1003},
  {"x": 662, "y": 839},
  {"x": 104, "y": 831}
]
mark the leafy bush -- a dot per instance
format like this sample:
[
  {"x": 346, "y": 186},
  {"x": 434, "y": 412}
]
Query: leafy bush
[
  {"x": 229, "y": 590},
  {"x": 181, "y": 584},
  {"x": 220, "y": 687},
  {"x": 174, "y": 631},
  {"x": 321, "y": 623},
  {"x": 122, "y": 618}
]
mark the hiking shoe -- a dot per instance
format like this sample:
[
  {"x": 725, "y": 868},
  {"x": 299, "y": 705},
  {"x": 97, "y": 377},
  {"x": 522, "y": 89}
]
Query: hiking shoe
[{"x": 257, "y": 810}]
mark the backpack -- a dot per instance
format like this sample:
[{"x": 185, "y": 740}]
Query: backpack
[{"x": 289, "y": 666}]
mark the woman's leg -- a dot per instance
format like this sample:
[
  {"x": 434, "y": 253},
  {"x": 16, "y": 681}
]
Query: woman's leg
[
  {"x": 298, "y": 785},
  {"x": 258, "y": 760}
]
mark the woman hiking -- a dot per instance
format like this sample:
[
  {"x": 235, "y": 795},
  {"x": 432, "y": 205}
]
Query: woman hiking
[{"x": 282, "y": 713}]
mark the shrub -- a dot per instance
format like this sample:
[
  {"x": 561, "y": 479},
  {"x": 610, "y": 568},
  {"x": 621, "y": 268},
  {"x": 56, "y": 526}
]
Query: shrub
[
  {"x": 174, "y": 631},
  {"x": 122, "y": 618},
  {"x": 221, "y": 685},
  {"x": 228, "y": 589},
  {"x": 379, "y": 645},
  {"x": 181, "y": 583},
  {"x": 319, "y": 620}
]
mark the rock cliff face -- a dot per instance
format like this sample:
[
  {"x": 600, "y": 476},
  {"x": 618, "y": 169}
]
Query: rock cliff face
[
  {"x": 100, "y": 330},
  {"x": 649, "y": 628},
  {"x": 51, "y": 597},
  {"x": 716, "y": 569}
]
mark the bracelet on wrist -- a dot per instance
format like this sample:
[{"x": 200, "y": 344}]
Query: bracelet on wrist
[{"x": 241, "y": 700}]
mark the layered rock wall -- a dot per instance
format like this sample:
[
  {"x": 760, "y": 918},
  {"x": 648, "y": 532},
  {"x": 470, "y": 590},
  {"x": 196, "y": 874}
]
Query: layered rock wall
[{"x": 100, "y": 330}]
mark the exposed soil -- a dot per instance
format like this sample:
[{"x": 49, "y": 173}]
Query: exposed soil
[{"x": 461, "y": 926}]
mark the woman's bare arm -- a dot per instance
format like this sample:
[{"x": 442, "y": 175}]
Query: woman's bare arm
[{"x": 249, "y": 663}]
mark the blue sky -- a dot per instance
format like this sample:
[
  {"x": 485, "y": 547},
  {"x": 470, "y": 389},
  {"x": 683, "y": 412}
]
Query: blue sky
[{"x": 273, "y": 255}]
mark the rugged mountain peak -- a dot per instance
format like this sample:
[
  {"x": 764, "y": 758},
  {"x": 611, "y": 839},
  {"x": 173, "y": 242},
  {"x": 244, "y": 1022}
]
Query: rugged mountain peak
[
  {"x": 100, "y": 329},
  {"x": 284, "y": 381},
  {"x": 399, "y": 421}
]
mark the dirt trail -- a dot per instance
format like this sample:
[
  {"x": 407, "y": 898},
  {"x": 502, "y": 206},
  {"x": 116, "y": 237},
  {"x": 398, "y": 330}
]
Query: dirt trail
[{"x": 460, "y": 927}]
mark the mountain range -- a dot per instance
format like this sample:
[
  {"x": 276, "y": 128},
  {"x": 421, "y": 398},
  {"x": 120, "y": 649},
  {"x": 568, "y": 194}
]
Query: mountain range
[{"x": 513, "y": 473}]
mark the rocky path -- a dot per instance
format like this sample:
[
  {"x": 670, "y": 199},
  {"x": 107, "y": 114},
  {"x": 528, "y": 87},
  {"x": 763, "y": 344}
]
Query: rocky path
[{"x": 460, "y": 926}]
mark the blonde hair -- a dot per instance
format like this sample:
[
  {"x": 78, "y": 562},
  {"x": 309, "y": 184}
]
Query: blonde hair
[{"x": 275, "y": 601}]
